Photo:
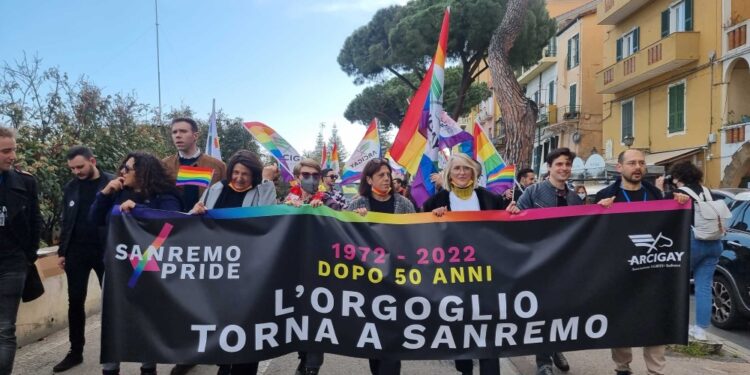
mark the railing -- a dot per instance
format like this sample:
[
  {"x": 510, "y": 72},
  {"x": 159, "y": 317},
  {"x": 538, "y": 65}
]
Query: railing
[
  {"x": 737, "y": 35},
  {"x": 569, "y": 113}
]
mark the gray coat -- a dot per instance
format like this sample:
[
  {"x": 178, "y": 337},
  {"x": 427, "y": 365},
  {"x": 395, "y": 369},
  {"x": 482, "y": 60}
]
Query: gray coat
[
  {"x": 401, "y": 205},
  {"x": 544, "y": 194},
  {"x": 261, "y": 195}
]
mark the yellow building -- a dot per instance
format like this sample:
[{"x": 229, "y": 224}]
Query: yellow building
[
  {"x": 488, "y": 112},
  {"x": 662, "y": 82}
]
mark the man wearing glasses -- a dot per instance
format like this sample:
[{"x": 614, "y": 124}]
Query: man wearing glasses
[{"x": 334, "y": 198}]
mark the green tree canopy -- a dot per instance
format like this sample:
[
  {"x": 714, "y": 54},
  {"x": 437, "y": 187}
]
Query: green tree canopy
[
  {"x": 388, "y": 100},
  {"x": 400, "y": 42}
]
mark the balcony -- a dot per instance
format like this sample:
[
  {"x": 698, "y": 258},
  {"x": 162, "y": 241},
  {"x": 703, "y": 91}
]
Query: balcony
[
  {"x": 549, "y": 58},
  {"x": 611, "y": 12},
  {"x": 736, "y": 37},
  {"x": 667, "y": 54}
]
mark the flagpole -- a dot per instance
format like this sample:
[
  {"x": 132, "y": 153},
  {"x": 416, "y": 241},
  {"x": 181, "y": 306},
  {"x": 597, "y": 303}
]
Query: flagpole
[{"x": 158, "y": 63}]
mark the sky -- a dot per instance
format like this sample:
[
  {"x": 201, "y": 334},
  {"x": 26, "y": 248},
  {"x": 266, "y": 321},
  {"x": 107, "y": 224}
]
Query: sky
[{"x": 272, "y": 61}]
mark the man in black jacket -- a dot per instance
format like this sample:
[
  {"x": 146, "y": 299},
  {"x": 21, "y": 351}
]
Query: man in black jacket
[
  {"x": 20, "y": 224},
  {"x": 630, "y": 187},
  {"x": 81, "y": 244}
]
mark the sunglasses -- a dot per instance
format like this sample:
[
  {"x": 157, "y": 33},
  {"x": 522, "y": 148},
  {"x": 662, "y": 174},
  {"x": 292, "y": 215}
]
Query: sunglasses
[
  {"x": 333, "y": 176},
  {"x": 125, "y": 169},
  {"x": 308, "y": 175}
]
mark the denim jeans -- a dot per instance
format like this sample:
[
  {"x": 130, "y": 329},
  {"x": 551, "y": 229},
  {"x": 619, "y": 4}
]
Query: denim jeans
[
  {"x": 703, "y": 258},
  {"x": 11, "y": 287}
]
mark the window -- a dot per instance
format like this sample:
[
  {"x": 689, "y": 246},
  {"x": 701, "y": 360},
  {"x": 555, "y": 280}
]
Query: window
[
  {"x": 678, "y": 17},
  {"x": 676, "y": 107},
  {"x": 551, "y": 93},
  {"x": 572, "y": 99},
  {"x": 573, "y": 57},
  {"x": 628, "y": 44},
  {"x": 626, "y": 119}
]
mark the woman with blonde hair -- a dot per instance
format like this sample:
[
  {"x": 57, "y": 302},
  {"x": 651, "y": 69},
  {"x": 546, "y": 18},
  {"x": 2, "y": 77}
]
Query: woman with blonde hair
[{"x": 462, "y": 193}]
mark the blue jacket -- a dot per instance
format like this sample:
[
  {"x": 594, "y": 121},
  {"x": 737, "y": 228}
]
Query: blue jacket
[{"x": 100, "y": 210}]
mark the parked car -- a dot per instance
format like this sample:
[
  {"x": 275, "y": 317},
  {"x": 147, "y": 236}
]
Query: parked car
[
  {"x": 731, "y": 196},
  {"x": 731, "y": 285}
]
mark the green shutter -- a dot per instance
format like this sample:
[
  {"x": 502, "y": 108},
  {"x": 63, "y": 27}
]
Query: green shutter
[
  {"x": 578, "y": 51},
  {"x": 619, "y": 49},
  {"x": 665, "y": 23},
  {"x": 572, "y": 99},
  {"x": 627, "y": 120},
  {"x": 551, "y": 92},
  {"x": 636, "y": 39},
  {"x": 688, "y": 15},
  {"x": 568, "y": 58},
  {"x": 677, "y": 108}
]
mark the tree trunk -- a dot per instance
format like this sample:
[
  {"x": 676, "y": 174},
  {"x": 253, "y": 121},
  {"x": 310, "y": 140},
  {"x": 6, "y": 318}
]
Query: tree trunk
[{"x": 518, "y": 113}]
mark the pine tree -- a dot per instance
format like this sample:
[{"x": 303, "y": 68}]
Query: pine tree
[
  {"x": 319, "y": 143},
  {"x": 335, "y": 139}
]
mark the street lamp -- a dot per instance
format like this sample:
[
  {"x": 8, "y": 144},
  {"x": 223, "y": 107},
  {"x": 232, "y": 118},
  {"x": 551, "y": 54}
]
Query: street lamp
[{"x": 628, "y": 140}]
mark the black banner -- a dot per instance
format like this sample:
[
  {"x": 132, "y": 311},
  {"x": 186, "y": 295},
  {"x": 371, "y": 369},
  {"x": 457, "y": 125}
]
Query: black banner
[{"x": 249, "y": 284}]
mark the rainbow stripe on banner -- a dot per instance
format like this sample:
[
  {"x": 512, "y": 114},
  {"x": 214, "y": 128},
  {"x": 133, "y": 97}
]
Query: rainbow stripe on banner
[
  {"x": 195, "y": 176},
  {"x": 416, "y": 144}
]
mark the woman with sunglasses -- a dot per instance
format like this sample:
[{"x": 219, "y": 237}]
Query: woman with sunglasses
[
  {"x": 376, "y": 194},
  {"x": 143, "y": 182},
  {"x": 461, "y": 193},
  {"x": 307, "y": 174}
]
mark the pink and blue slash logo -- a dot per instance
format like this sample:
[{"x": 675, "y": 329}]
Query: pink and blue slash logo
[{"x": 147, "y": 263}]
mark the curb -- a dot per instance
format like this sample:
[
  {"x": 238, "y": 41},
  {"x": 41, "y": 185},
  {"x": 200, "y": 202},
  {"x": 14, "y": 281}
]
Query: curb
[{"x": 730, "y": 346}]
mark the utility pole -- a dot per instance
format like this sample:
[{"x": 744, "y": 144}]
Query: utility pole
[{"x": 158, "y": 64}]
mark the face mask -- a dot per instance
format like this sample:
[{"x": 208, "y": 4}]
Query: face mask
[
  {"x": 582, "y": 195},
  {"x": 310, "y": 184}
]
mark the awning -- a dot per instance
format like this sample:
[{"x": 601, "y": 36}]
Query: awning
[{"x": 666, "y": 157}]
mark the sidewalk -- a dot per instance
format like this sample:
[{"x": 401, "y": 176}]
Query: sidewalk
[{"x": 41, "y": 356}]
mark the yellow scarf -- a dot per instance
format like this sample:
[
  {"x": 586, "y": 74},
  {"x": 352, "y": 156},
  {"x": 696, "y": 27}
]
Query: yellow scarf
[
  {"x": 231, "y": 186},
  {"x": 463, "y": 193}
]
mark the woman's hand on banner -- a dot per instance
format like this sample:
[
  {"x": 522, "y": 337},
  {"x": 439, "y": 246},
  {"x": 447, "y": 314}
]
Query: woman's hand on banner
[
  {"x": 316, "y": 203},
  {"x": 607, "y": 202},
  {"x": 361, "y": 211},
  {"x": 198, "y": 209},
  {"x": 127, "y": 206},
  {"x": 512, "y": 208},
  {"x": 440, "y": 211},
  {"x": 681, "y": 198}
]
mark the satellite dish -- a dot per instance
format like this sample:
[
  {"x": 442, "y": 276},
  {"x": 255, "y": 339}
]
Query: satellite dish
[
  {"x": 595, "y": 166},
  {"x": 575, "y": 137},
  {"x": 578, "y": 168}
]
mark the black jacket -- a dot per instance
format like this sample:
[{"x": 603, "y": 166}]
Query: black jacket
[
  {"x": 70, "y": 210},
  {"x": 614, "y": 189},
  {"x": 22, "y": 202},
  {"x": 487, "y": 200}
]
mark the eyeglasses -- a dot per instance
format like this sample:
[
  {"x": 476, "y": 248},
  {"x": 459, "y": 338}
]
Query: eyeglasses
[
  {"x": 308, "y": 175},
  {"x": 333, "y": 176},
  {"x": 125, "y": 169}
]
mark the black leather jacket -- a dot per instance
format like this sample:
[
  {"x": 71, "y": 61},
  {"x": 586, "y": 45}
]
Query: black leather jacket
[{"x": 70, "y": 211}]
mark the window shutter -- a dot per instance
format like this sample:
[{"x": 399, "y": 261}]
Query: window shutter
[
  {"x": 578, "y": 51},
  {"x": 680, "y": 106},
  {"x": 665, "y": 23},
  {"x": 688, "y": 15},
  {"x": 619, "y": 49},
  {"x": 572, "y": 100},
  {"x": 551, "y": 99},
  {"x": 636, "y": 39},
  {"x": 569, "y": 57}
]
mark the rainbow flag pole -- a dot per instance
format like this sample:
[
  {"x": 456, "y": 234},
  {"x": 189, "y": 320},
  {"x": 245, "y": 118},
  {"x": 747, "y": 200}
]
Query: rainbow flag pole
[{"x": 416, "y": 146}]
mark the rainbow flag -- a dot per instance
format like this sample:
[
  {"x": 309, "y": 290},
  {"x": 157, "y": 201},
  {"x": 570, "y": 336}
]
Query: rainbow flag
[
  {"x": 279, "y": 148},
  {"x": 333, "y": 159},
  {"x": 416, "y": 146},
  {"x": 212, "y": 141},
  {"x": 495, "y": 173},
  {"x": 367, "y": 149},
  {"x": 324, "y": 157},
  {"x": 196, "y": 176}
]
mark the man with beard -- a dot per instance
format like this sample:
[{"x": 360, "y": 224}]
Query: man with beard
[
  {"x": 552, "y": 192},
  {"x": 630, "y": 187},
  {"x": 81, "y": 244}
]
